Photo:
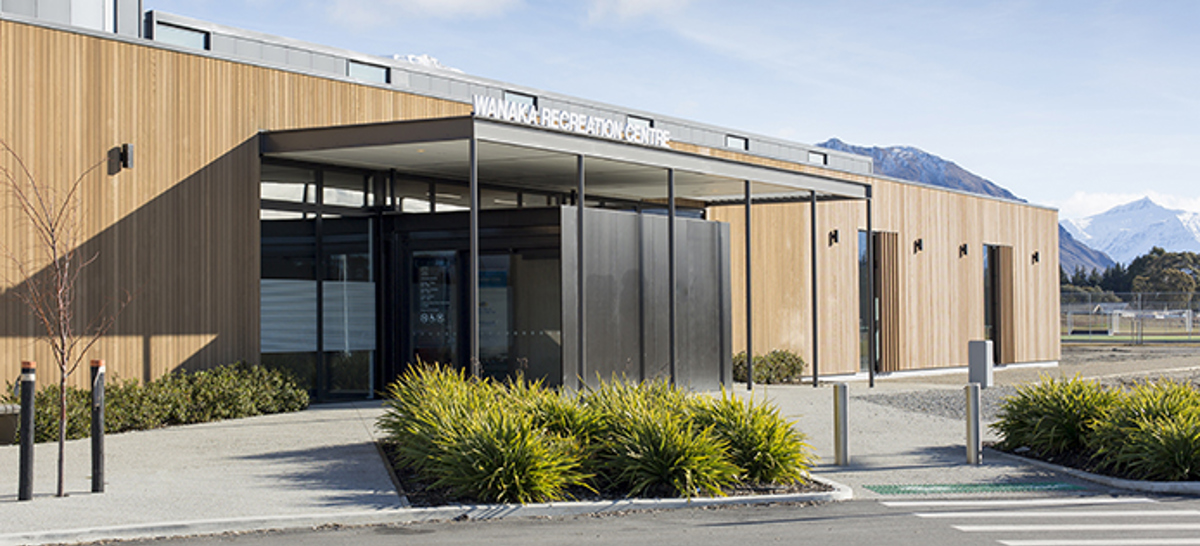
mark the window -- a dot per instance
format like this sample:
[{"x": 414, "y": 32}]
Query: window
[
  {"x": 181, "y": 36},
  {"x": 367, "y": 72},
  {"x": 737, "y": 142},
  {"x": 639, "y": 122},
  {"x": 520, "y": 98},
  {"x": 818, "y": 158}
]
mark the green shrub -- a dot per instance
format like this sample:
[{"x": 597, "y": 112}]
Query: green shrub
[
  {"x": 1054, "y": 415},
  {"x": 661, "y": 453},
  {"x": 499, "y": 456},
  {"x": 1164, "y": 448},
  {"x": 224, "y": 392},
  {"x": 760, "y": 440},
  {"x": 778, "y": 366},
  {"x": 1129, "y": 429}
]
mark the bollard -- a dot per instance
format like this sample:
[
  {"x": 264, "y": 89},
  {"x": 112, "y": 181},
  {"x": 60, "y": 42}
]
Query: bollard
[
  {"x": 28, "y": 388},
  {"x": 97, "y": 426},
  {"x": 974, "y": 439},
  {"x": 841, "y": 398}
]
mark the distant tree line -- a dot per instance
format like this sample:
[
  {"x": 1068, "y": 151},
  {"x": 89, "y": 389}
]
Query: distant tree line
[{"x": 1155, "y": 271}]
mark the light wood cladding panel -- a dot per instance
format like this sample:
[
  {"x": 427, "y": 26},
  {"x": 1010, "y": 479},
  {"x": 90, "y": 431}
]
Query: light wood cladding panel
[
  {"x": 889, "y": 289},
  {"x": 938, "y": 305},
  {"x": 180, "y": 230}
]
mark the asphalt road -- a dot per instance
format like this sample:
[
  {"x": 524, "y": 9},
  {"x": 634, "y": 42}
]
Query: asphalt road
[{"x": 1045, "y": 521}]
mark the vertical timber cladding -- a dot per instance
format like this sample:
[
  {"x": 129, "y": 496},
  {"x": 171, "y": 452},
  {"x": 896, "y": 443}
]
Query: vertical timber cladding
[
  {"x": 931, "y": 299},
  {"x": 180, "y": 230}
]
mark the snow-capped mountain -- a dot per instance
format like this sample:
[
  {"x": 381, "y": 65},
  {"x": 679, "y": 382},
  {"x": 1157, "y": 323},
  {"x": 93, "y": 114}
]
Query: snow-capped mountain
[
  {"x": 1130, "y": 230},
  {"x": 914, "y": 164}
]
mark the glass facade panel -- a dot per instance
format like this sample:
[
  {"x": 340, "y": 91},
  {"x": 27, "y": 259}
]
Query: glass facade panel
[
  {"x": 434, "y": 317},
  {"x": 367, "y": 72},
  {"x": 497, "y": 199},
  {"x": 180, "y": 36},
  {"x": 288, "y": 185},
  {"x": 348, "y": 298},
  {"x": 452, "y": 198},
  {"x": 344, "y": 189}
]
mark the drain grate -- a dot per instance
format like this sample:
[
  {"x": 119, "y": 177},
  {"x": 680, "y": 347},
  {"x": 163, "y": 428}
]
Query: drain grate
[{"x": 944, "y": 488}]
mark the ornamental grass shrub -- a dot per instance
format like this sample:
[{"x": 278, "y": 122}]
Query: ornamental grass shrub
[
  {"x": 761, "y": 442},
  {"x": 1151, "y": 432},
  {"x": 1154, "y": 433},
  {"x": 518, "y": 441},
  {"x": 225, "y": 392},
  {"x": 778, "y": 366},
  {"x": 1053, "y": 416}
]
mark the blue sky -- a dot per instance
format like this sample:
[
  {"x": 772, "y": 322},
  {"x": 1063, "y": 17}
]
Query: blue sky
[{"x": 1080, "y": 105}]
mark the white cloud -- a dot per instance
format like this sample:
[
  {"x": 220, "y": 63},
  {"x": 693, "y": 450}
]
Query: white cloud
[
  {"x": 631, "y": 9},
  {"x": 1082, "y": 204},
  {"x": 378, "y": 12}
]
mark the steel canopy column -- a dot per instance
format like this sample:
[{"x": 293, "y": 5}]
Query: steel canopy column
[
  {"x": 580, "y": 276},
  {"x": 671, "y": 269},
  {"x": 815, "y": 344},
  {"x": 872, "y": 347},
  {"x": 749, "y": 320},
  {"x": 474, "y": 251}
]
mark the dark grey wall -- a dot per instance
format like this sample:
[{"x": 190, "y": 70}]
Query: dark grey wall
[{"x": 627, "y": 304}]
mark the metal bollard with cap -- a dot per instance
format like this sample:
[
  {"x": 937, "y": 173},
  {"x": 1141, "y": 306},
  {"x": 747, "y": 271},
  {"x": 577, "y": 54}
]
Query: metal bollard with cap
[
  {"x": 841, "y": 424},
  {"x": 28, "y": 389},
  {"x": 97, "y": 426},
  {"x": 974, "y": 437}
]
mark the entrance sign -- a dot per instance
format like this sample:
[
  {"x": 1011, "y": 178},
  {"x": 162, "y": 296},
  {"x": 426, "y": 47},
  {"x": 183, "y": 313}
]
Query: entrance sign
[{"x": 571, "y": 122}]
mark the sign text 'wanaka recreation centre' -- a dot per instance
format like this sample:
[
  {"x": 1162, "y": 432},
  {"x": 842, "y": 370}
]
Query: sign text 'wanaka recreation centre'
[{"x": 571, "y": 122}]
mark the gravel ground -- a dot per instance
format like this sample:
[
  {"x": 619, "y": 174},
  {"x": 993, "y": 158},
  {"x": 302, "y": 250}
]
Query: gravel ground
[
  {"x": 943, "y": 402},
  {"x": 1116, "y": 366}
]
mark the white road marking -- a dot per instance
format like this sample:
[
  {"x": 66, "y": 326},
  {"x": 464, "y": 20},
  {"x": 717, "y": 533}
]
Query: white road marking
[
  {"x": 1076, "y": 527},
  {"x": 1106, "y": 542},
  {"x": 1061, "y": 514},
  {"x": 1019, "y": 502}
]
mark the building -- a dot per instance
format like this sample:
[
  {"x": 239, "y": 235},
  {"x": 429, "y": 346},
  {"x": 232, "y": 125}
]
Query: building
[{"x": 312, "y": 208}]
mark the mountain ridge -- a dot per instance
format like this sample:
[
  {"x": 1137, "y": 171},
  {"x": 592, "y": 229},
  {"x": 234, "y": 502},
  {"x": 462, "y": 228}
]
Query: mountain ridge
[{"x": 911, "y": 163}]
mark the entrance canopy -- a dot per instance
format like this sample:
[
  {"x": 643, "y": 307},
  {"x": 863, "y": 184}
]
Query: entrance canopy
[{"x": 540, "y": 159}]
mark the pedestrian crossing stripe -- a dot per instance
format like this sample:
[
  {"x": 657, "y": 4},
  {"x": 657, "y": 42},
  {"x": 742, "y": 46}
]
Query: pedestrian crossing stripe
[
  {"x": 1060, "y": 514},
  {"x": 944, "y": 488},
  {"x": 993, "y": 503}
]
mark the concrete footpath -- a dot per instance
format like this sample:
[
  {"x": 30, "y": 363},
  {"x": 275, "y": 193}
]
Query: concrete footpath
[{"x": 320, "y": 467}]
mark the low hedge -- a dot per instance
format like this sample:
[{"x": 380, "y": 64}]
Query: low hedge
[
  {"x": 485, "y": 441},
  {"x": 778, "y": 366},
  {"x": 1151, "y": 432},
  {"x": 225, "y": 392}
]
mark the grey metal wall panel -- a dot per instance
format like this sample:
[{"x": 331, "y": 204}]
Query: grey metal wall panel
[
  {"x": 221, "y": 43},
  {"x": 460, "y": 90},
  {"x": 249, "y": 49},
  {"x": 28, "y": 8},
  {"x": 401, "y": 78},
  {"x": 128, "y": 18},
  {"x": 570, "y": 298},
  {"x": 274, "y": 54},
  {"x": 55, "y": 11},
  {"x": 329, "y": 64},
  {"x": 88, "y": 14},
  {"x": 419, "y": 82},
  {"x": 439, "y": 85},
  {"x": 628, "y": 325},
  {"x": 299, "y": 58}
]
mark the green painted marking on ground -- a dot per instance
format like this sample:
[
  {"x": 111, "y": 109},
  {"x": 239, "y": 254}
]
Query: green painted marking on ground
[{"x": 938, "y": 488}]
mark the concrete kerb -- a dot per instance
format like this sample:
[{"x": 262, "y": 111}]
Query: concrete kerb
[
  {"x": 402, "y": 515},
  {"x": 1170, "y": 488}
]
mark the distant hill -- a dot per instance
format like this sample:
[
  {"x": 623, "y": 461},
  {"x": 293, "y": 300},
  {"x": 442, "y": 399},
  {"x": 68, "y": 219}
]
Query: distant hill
[
  {"x": 918, "y": 165},
  {"x": 1130, "y": 230},
  {"x": 908, "y": 163}
]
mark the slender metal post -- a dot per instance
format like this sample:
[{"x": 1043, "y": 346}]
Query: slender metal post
[
  {"x": 974, "y": 439},
  {"x": 474, "y": 251},
  {"x": 28, "y": 388},
  {"x": 97, "y": 426},
  {"x": 841, "y": 424},
  {"x": 581, "y": 277},
  {"x": 671, "y": 257},
  {"x": 816, "y": 362},
  {"x": 749, "y": 313},
  {"x": 872, "y": 349}
]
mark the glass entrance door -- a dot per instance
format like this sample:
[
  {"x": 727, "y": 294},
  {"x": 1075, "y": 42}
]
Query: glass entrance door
[{"x": 434, "y": 316}]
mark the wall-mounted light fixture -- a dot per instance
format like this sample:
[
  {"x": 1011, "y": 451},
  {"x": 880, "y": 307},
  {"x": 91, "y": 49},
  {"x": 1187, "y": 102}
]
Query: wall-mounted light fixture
[
  {"x": 120, "y": 157},
  {"x": 1036, "y": 257},
  {"x": 962, "y": 250},
  {"x": 918, "y": 245},
  {"x": 833, "y": 237}
]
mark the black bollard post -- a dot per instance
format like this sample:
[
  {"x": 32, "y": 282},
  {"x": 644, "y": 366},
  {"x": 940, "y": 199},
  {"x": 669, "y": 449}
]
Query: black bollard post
[
  {"x": 97, "y": 426},
  {"x": 28, "y": 387}
]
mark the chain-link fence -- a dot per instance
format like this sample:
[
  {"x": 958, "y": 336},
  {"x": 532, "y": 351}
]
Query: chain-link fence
[{"x": 1130, "y": 317}]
